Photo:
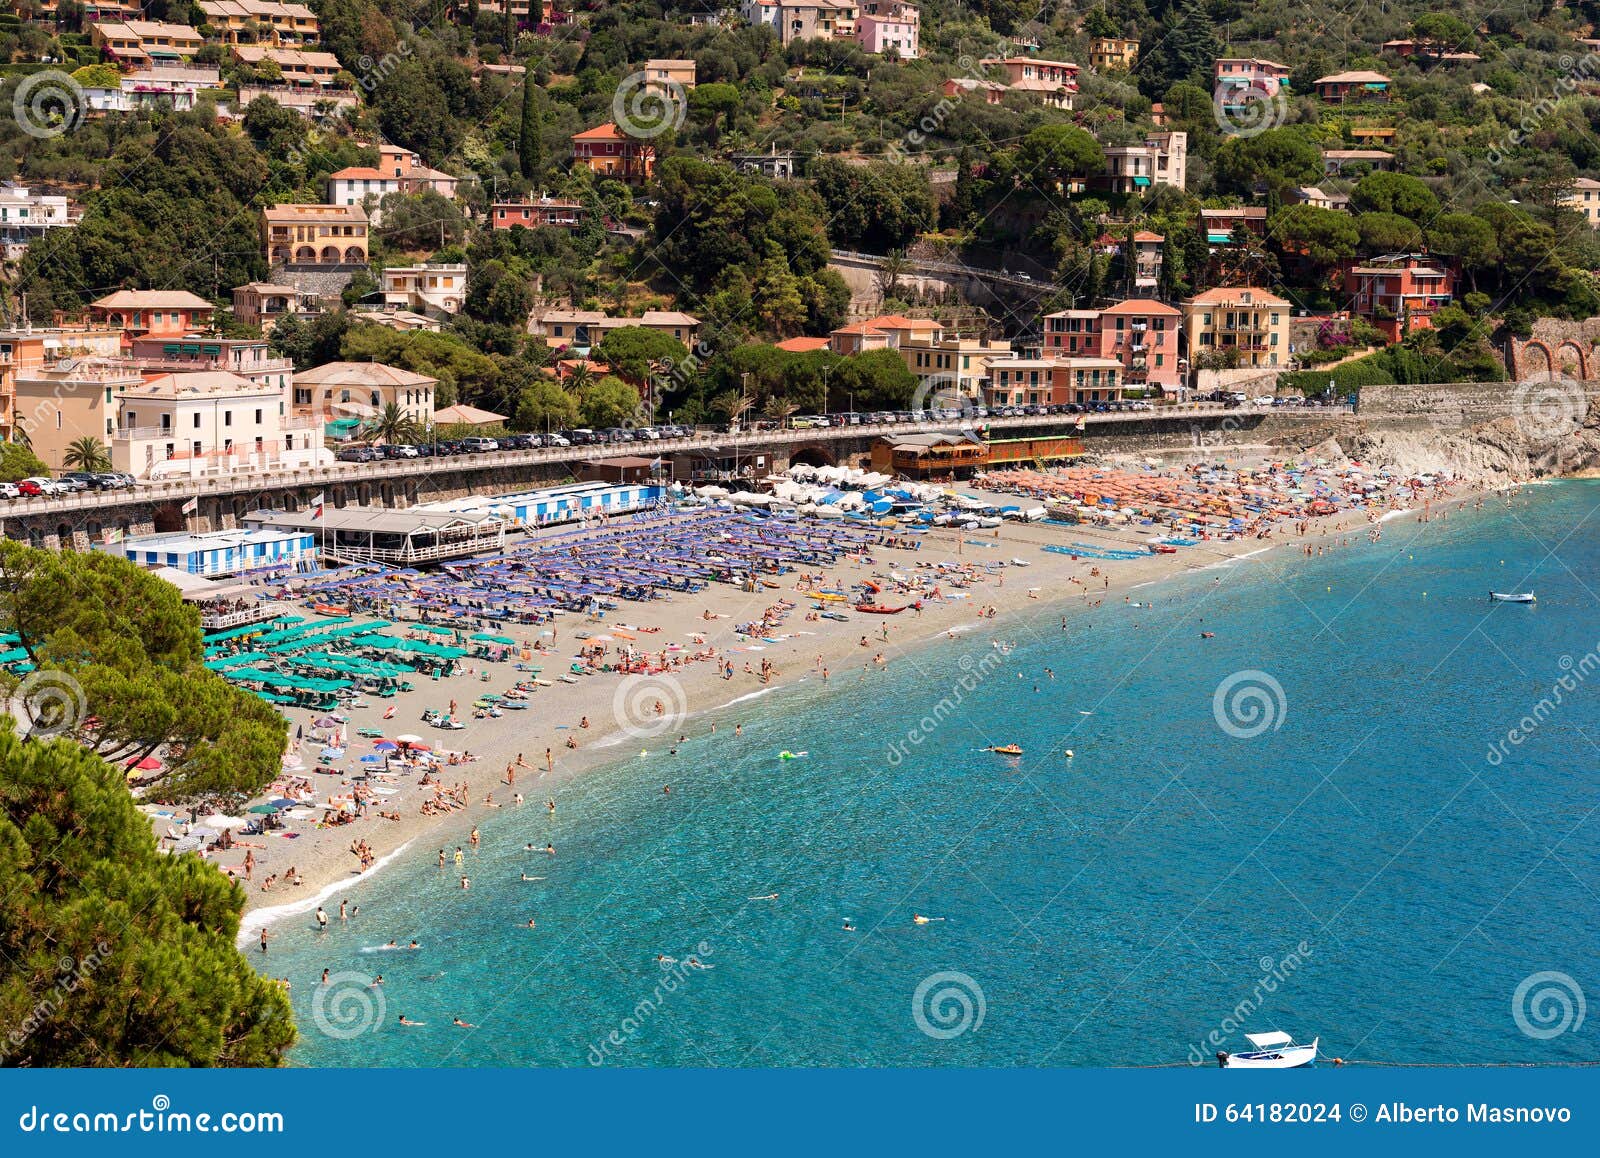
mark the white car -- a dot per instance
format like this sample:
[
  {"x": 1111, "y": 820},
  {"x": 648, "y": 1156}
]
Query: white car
[
  {"x": 1264, "y": 400},
  {"x": 51, "y": 486},
  {"x": 9, "y": 490}
]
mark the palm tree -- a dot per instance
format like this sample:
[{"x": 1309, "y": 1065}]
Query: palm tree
[
  {"x": 780, "y": 410},
  {"x": 393, "y": 424},
  {"x": 580, "y": 377},
  {"x": 87, "y": 453},
  {"x": 734, "y": 405}
]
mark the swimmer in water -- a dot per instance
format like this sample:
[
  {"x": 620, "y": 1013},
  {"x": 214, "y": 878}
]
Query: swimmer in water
[
  {"x": 663, "y": 959},
  {"x": 919, "y": 919},
  {"x": 463, "y": 1024},
  {"x": 413, "y": 945},
  {"x": 848, "y": 927},
  {"x": 466, "y": 883},
  {"x": 404, "y": 1020},
  {"x": 526, "y": 877},
  {"x": 765, "y": 897},
  {"x": 530, "y": 923}
]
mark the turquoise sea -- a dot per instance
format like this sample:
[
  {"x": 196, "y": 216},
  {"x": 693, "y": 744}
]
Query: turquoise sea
[{"x": 1380, "y": 865}]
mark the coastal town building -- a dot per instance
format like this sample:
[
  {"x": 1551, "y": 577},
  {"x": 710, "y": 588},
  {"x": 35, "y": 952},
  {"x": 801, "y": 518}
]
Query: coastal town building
[
  {"x": 1361, "y": 84},
  {"x": 26, "y": 216},
  {"x": 1053, "y": 381},
  {"x": 1583, "y": 196},
  {"x": 261, "y": 22},
  {"x": 607, "y": 151},
  {"x": 773, "y": 164},
  {"x": 1054, "y": 82},
  {"x": 546, "y": 212},
  {"x": 586, "y": 328},
  {"x": 1399, "y": 292},
  {"x": 305, "y": 235},
  {"x": 889, "y": 26},
  {"x": 1113, "y": 53},
  {"x": 1335, "y": 161},
  {"x": 362, "y": 390},
  {"x": 33, "y": 348},
  {"x": 248, "y": 358},
  {"x": 1161, "y": 160},
  {"x": 161, "y": 86},
  {"x": 796, "y": 20},
  {"x": 153, "y": 313},
  {"x": 297, "y": 67},
  {"x": 261, "y": 303},
  {"x": 142, "y": 43},
  {"x": 1239, "y": 81},
  {"x": 428, "y": 288},
  {"x": 1140, "y": 334},
  {"x": 663, "y": 74},
  {"x": 1244, "y": 323},
  {"x": 1223, "y": 227},
  {"x": 206, "y": 422}
]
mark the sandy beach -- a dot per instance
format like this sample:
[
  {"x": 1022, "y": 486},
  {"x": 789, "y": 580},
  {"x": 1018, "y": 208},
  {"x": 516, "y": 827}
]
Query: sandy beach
[{"x": 641, "y": 717}]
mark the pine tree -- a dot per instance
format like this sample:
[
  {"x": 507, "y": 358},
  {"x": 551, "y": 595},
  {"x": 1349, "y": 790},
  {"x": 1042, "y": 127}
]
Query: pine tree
[{"x": 112, "y": 953}]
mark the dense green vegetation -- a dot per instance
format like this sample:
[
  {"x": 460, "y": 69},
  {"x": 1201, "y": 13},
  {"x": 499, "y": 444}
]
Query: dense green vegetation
[
  {"x": 120, "y": 667},
  {"x": 116, "y": 954},
  {"x": 1484, "y": 147}
]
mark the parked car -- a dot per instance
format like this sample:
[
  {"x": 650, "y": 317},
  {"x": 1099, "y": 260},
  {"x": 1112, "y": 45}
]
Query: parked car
[
  {"x": 9, "y": 491},
  {"x": 43, "y": 486},
  {"x": 357, "y": 454},
  {"x": 29, "y": 489},
  {"x": 399, "y": 450},
  {"x": 84, "y": 480},
  {"x": 477, "y": 445},
  {"x": 520, "y": 442}
]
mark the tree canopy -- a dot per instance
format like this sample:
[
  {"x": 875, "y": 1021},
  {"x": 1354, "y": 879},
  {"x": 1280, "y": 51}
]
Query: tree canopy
[{"x": 112, "y": 953}]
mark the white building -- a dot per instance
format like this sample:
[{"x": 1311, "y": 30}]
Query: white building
[
  {"x": 26, "y": 216},
  {"x": 212, "y": 422},
  {"x": 425, "y": 288}
]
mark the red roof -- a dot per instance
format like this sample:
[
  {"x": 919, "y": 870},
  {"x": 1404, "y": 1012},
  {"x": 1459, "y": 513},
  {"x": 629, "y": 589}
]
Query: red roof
[
  {"x": 605, "y": 132},
  {"x": 1146, "y": 235},
  {"x": 803, "y": 345}
]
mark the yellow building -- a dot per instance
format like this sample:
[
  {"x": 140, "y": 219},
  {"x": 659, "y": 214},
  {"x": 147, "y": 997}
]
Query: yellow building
[
  {"x": 1584, "y": 198},
  {"x": 1113, "y": 52},
  {"x": 314, "y": 235},
  {"x": 1252, "y": 321},
  {"x": 261, "y": 22}
]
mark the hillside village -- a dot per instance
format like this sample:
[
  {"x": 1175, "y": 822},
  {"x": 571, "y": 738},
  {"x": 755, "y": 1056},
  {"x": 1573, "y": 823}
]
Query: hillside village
[{"x": 362, "y": 220}]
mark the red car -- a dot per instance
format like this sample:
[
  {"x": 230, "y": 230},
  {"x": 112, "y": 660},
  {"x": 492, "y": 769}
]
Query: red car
[{"x": 29, "y": 489}]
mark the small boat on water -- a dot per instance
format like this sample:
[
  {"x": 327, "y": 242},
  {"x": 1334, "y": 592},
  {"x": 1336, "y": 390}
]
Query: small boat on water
[
  {"x": 1513, "y": 597},
  {"x": 1005, "y": 749},
  {"x": 1273, "y": 1051}
]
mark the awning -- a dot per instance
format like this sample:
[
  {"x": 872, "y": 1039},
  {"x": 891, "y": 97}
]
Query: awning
[
  {"x": 1219, "y": 238},
  {"x": 1141, "y": 180}
]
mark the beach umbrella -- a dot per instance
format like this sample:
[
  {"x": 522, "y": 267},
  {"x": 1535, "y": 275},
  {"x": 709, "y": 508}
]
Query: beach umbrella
[
  {"x": 281, "y": 802},
  {"x": 386, "y": 745},
  {"x": 420, "y": 748},
  {"x": 220, "y": 821},
  {"x": 262, "y": 809},
  {"x": 327, "y": 722},
  {"x": 409, "y": 739},
  {"x": 332, "y": 753},
  {"x": 148, "y": 764}
]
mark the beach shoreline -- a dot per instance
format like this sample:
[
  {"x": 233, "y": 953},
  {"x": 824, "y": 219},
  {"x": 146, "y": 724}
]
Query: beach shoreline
[{"x": 1053, "y": 590}]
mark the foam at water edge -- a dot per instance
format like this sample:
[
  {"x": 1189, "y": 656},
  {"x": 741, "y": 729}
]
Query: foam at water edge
[{"x": 258, "y": 919}]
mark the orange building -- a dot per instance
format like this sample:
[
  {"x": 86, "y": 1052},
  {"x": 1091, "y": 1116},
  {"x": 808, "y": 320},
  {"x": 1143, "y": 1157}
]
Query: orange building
[
  {"x": 153, "y": 313},
  {"x": 609, "y": 152}
]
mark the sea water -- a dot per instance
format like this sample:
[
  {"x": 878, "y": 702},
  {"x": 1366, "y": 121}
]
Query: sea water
[{"x": 1365, "y": 811}]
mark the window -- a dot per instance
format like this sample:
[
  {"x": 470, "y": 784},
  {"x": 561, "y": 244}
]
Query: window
[
  {"x": 197, "y": 420},
  {"x": 258, "y": 415},
  {"x": 227, "y": 418}
]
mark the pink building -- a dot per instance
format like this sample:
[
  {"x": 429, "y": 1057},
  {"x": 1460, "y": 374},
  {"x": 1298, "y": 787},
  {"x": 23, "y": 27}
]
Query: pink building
[
  {"x": 1140, "y": 334},
  {"x": 886, "y": 24}
]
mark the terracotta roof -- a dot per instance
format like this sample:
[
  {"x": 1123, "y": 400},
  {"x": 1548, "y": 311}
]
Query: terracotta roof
[
  {"x": 605, "y": 132},
  {"x": 803, "y": 345},
  {"x": 1140, "y": 306},
  {"x": 152, "y": 300},
  {"x": 1360, "y": 76},
  {"x": 1146, "y": 235},
  {"x": 1258, "y": 297}
]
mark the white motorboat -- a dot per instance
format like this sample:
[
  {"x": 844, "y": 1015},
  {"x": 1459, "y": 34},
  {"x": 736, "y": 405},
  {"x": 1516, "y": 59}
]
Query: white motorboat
[
  {"x": 1273, "y": 1051},
  {"x": 1513, "y": 597}
]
